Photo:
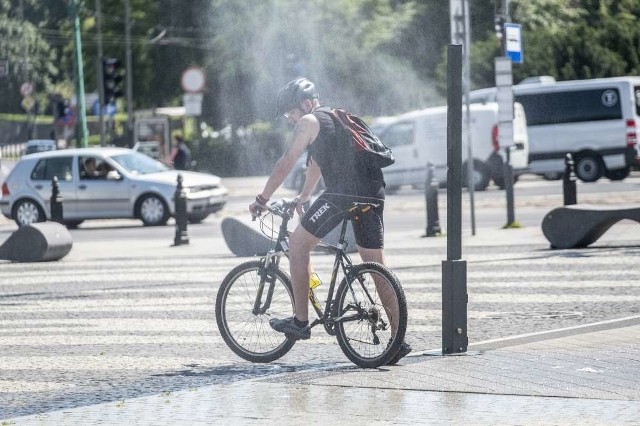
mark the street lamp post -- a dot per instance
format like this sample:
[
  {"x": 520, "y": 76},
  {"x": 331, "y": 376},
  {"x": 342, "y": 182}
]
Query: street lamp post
[
  {"x": 74, "y": 9},
  {"x": 129, "y": 74}
]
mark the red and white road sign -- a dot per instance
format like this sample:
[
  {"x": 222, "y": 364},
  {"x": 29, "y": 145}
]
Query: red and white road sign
[{"x": 26, "y": 89}]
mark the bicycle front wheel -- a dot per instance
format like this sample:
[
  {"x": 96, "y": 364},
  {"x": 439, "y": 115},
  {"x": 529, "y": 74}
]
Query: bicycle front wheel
[
  {"x": 372, "y": 312},
  {"x": 243, "y": 320}
]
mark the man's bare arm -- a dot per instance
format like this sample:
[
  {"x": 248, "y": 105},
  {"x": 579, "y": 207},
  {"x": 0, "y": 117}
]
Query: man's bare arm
[{"x": 304, "y": 134}]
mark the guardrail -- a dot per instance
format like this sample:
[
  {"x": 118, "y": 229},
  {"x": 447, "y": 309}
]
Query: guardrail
[{"x": 13, "y": 151}]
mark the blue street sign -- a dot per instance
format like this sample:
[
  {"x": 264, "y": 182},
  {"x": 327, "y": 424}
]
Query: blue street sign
[{"x": 513, "y": 42}]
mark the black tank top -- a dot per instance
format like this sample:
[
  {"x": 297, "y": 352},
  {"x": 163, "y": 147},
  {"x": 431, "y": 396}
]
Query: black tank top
[{"x": 335, "y": 157}]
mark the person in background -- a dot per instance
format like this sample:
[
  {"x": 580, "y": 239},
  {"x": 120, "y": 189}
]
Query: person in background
[
  {"x": 90, "y": 170},
  {"x": 182, "y": 155}
]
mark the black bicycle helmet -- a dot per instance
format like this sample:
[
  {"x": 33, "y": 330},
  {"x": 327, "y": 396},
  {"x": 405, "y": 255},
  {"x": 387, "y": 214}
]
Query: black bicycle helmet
[{"x": 292, "y": 93}]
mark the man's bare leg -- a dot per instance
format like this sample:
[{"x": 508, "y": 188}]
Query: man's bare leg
[
  {"x": 301, "y": 243},
  {"x": 387, "y": 296}
]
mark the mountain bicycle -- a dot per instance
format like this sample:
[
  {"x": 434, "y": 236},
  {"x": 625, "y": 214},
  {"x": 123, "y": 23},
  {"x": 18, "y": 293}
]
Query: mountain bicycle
[{"x": 368, "y": 331}]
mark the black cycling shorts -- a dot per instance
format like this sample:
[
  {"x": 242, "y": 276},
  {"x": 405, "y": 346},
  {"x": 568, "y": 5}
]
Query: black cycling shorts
[{"x": 329, "y": 210}]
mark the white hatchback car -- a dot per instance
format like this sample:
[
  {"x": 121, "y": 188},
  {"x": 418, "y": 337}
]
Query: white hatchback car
[{"x": 124, "y": 184}]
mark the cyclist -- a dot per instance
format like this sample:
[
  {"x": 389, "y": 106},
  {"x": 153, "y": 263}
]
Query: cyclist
[{"x": 314, "y": 130}]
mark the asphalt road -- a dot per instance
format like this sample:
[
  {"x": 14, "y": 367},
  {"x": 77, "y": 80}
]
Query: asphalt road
[{"x": 89, "y": 328}]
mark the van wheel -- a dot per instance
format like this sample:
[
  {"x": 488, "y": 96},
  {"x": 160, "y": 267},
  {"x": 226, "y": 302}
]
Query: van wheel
[
  {"x": 481, "y": 176},
  {"x": 496, "y": 166},
  {"x": 589, "y": 167},
  {"x": 618, "y": 174},
  {"x": 499, "y": 181}
]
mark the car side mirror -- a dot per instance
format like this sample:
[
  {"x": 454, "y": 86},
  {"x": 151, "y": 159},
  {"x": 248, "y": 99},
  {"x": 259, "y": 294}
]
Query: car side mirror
[{"x": 114, "y": 175}]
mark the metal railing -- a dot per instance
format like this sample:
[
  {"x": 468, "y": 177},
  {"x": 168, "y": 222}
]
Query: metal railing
[{"x": 12, "y": 151}]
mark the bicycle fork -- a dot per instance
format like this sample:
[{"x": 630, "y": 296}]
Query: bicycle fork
[{"x": 265, "y": 277}]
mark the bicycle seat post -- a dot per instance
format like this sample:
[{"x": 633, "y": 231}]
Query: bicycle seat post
[{"x": 343, "y": 232}]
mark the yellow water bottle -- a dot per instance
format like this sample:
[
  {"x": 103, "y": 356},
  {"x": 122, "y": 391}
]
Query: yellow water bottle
[{"x": 314, "y": 282}]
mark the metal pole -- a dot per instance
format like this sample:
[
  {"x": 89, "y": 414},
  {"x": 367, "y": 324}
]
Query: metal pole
[
  {"x": 454, "y": 152},
  {"x": 100, "y": 70},
  {"x": 81, "y": 112},
  {"x": 454, "y": 270},
  {"x": 467, "y": 122},
  {"x": 129, "y": 66}
]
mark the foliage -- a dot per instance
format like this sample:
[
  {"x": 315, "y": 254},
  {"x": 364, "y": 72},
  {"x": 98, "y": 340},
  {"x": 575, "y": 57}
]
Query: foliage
[
  {"x": 374, "y": 57},
  {"x": 30, "y": 58}
]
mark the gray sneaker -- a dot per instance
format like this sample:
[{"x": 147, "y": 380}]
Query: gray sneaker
[{"x": 289, "y": 327}]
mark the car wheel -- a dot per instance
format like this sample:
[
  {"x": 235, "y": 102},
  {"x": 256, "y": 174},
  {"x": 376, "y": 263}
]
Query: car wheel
[
  {"x": 153, "y": 211},
  {"x": 618, "y": 174},
  {"x": 197, "y": 218},
  {"x": 26, "y": 212},
  {"x": 589, "y": 167},
  {"x": 481, "y": 176}
]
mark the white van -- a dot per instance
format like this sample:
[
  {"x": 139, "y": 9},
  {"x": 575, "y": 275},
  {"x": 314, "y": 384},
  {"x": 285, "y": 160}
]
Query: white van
[
  {"x": 420, "y": 137},
  {"x": 595, "y": 120}
]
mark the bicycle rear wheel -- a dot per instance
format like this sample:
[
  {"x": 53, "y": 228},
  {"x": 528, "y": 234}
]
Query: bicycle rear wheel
[
  {"x": 247, "y": 333},
  {"x": 373, "y": 309}
]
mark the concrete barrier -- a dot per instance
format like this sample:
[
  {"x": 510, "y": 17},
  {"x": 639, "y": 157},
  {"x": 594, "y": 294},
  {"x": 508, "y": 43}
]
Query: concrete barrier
[
  {"x": 38, "y": 242},
  {"x": 246, "y": 240},
  {"x": 579, "y": 225}
]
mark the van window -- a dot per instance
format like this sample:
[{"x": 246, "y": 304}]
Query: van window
[
  {"x": 398, "y": 134},
  {"x": 46, "y": 169},
  {"x": 571, "y": 106},
  {"x": 636, "y": 92}
]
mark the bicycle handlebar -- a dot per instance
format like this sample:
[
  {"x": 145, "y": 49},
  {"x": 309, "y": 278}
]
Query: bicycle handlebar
[{"x": 283, "y": 208}]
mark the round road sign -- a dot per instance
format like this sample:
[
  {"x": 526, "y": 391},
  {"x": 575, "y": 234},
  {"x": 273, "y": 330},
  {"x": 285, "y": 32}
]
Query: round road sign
[
  {"x": 192, "y": 80},
  {"x": 26, "y": 89}
]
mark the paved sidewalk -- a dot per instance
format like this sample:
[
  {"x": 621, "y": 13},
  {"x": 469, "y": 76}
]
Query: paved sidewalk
[
  {"x": 583, "y": 375},
  {"x": 580, "y": 375}
]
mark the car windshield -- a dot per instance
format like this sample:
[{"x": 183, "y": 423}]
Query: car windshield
[
  {"x": 139, "y": 164},
  {"x": 38, "y": 148}
]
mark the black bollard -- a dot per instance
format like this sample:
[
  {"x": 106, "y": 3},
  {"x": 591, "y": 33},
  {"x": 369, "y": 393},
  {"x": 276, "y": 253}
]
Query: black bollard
[
  {"x": 56, "y": 201},
  {"x": 569, "y": 182},
  {"x": 431, "y": 199},
  {"x": 180, "y": 199},
  {"x": 508, "y": 186}
]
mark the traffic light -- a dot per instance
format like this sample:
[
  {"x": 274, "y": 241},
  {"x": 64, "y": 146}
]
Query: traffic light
[
  {"x": 499, "y": 23},
  {"x": 112, "y": 77}
]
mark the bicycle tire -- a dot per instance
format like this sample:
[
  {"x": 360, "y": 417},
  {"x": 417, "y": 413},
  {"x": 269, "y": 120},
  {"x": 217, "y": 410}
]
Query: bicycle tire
[
  {"x": 363, "y": 347},
  {"x": 249, "y": 335}
]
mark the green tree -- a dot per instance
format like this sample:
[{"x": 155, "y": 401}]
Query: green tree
[{"x": 30, "y": 57}]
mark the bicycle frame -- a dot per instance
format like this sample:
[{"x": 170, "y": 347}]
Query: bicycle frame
[{"x": 271, "y": 261}]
